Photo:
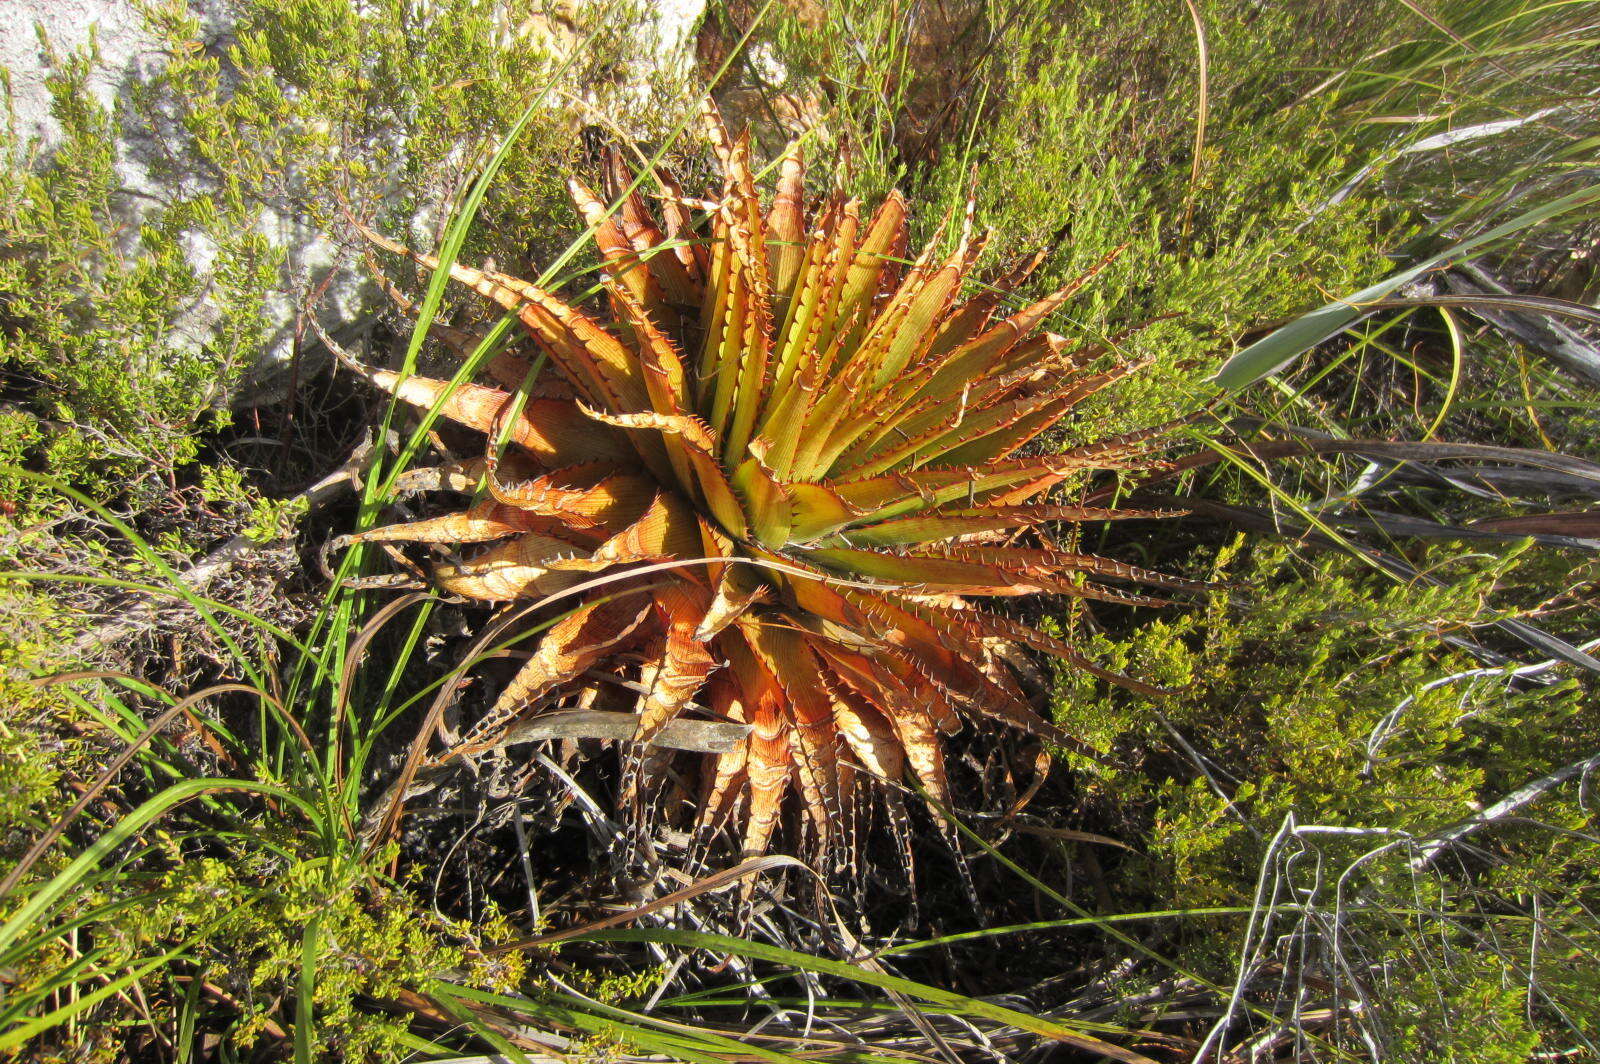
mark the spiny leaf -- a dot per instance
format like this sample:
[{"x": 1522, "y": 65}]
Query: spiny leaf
[
  {"x": 949, "y": 523},
  {"x": 487, "y": 521},
  {"x": 523, "y": 567},
  {"x": 684, "y": 662},
  {"x": 700, "y": 448},
  {"x": 567, "y": 648},
  {"x": 768, "y": 505},
  {"x": 554, "y": 432}
]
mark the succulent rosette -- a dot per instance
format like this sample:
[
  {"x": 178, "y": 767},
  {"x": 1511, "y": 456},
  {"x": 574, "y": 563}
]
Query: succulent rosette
[{"x": 818, "y": 452}]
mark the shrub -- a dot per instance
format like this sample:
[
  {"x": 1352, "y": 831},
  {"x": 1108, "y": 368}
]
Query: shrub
[
  {"x": 1318, "y": 696},
  {"x": 128, "y": 322},
  {"x": 108, "y": 391}
]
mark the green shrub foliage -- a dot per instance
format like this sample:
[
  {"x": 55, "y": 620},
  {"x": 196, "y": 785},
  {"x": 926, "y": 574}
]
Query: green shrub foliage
[
  {"x": 1323, "y": 737},
  {"x": 307, "y": 111},
  {"x": 96, "y": 292}
]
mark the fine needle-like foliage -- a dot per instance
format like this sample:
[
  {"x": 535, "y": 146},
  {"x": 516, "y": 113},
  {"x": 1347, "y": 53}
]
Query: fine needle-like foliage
[{"x": 817, "y": 453}]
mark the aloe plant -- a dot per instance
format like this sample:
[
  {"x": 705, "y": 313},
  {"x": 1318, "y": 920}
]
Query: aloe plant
[{"x": 817, "y": 453}]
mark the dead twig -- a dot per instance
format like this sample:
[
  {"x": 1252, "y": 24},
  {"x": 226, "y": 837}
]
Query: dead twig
[
  {"x": 1505, "y": 807},
  {"x": 204, "y": 572}
]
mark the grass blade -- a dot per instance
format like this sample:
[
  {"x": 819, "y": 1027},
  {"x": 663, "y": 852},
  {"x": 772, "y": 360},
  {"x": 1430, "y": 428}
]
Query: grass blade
[{"x": 1276, "y": 350}]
